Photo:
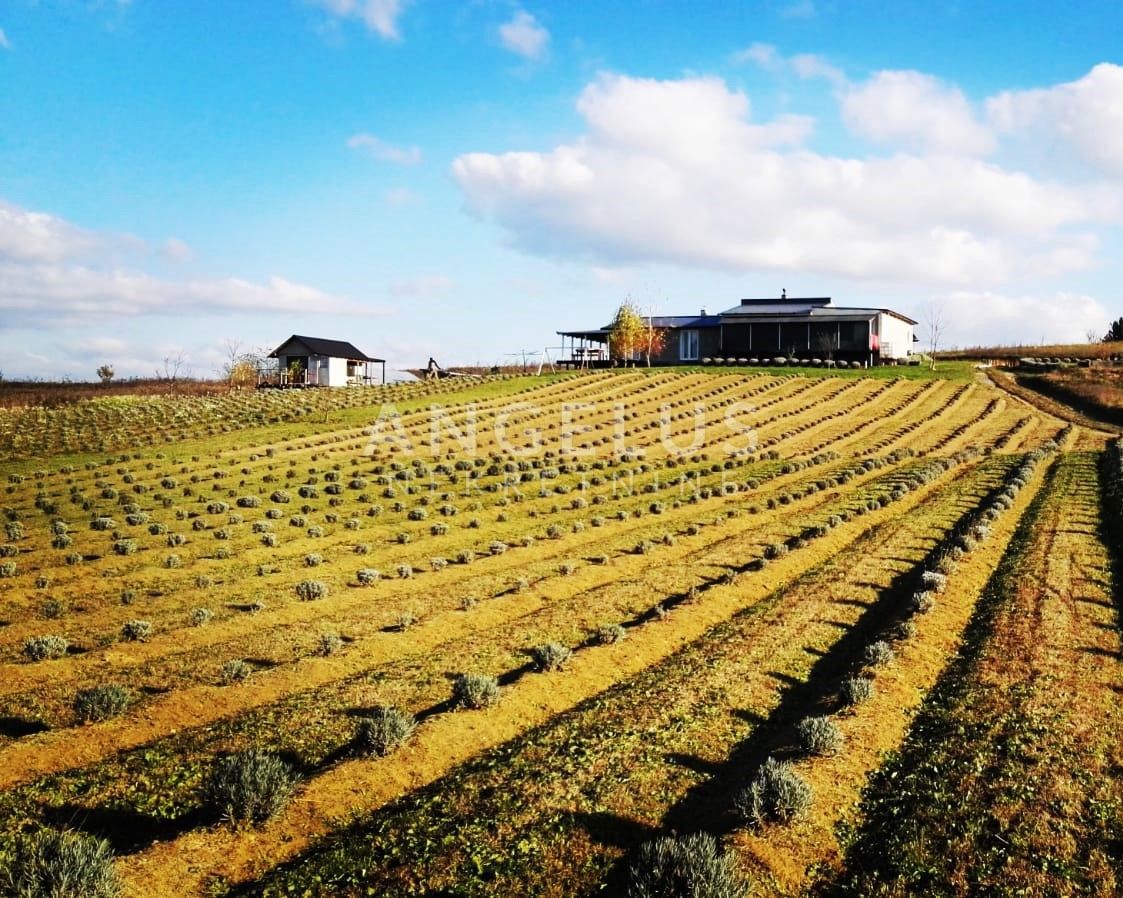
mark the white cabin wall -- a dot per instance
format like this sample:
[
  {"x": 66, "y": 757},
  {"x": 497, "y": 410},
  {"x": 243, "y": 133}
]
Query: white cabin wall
[{"x": 896, "y": 336}]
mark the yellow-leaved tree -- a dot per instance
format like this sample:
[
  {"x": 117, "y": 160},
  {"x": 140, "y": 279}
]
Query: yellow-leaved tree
[{"x": 627, "y": 333}]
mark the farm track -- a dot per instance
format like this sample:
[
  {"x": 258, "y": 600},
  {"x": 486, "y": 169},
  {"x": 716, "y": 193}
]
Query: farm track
[
  {"x": 1094, "y": 433},
  {"x": 636, "y": 755},
  {"x": 1035, "y": 690}
]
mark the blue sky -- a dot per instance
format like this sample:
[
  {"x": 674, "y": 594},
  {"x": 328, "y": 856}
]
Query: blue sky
[{"x": 463, "y": 179}]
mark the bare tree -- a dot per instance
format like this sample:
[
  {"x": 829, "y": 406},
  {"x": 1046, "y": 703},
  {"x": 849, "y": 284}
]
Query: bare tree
[
  {"x": 175, "y": 367},
  {"x": 935, "y": 324},
  {"x": 105, "y": 372},
  {"x": 1093, "y": 336},
  {"x": 242, "y": 365}
]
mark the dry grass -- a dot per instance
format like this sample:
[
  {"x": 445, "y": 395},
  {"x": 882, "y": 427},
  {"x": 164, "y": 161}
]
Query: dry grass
[
  {"x": 1060, "y": 350},
  {"x": 55, "y": 394}
]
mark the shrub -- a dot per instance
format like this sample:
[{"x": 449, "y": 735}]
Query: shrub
[
  {"x": 933, "y": 581},
  {"x": 309, "y": 590},
  {"x": 313, "y": 560},
  {"x": 235, "y": 671},
  {"x": 251, "y": 786},
  {"x": 101, "y": 702},
  {"x": 367, "y": 575},
  {"x": 8, "y": 569},
  {"x": 329, "y": 644},
  {"x": 200, "y": 616},
  {"x": 690, "y": 866},
  {"x": 467, "y": 603},
  {"x": 61, "y": 864},
  {"x": 856, "y": 690},
  {"x": 923, "y": 602},
  {"x": 384, "y": 731},
  {"x": 136, "y": 630},
  {"x": 405, "y": 619},
  {"x": 777, "y": 793},
  {"x": 551, "y": 656},
  {"x": 497, "y": 547},
  {"x": 878, "y": 654},
  {"x": 40, "y": 648},
  {"x": 819, "y": 736},
  {"x": 52, "y": 609},
  {"x": 172, "y": 561},
  {"x": 609, "y": 634},
  {"x": 906, "y": 629},
  {"x": 475, "y": 691}
]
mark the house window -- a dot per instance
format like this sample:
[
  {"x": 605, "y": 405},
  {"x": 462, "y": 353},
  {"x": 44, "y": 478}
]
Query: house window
[{"x": 688, "y": 346}]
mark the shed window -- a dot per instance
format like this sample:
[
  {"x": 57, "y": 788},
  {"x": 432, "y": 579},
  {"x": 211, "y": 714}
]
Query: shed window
[{"x": 688, "y": 345}]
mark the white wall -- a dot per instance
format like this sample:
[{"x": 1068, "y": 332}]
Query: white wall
[
  {"x": 337, "y": 372},
  {"x": 896, "y": 336}
]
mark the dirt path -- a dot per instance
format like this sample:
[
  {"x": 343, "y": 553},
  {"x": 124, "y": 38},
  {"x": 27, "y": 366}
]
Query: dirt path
[{"x": 1024, "y": 729}]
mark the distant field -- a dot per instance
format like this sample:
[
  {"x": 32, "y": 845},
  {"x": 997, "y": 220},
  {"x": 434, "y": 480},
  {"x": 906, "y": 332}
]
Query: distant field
[
  {"x": 664, "y": 571},
  {"x": 1066, "y": 350}
]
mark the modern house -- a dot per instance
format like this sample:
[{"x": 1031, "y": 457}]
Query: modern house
[
  {"x": 315, "y": 362},
  {"x": 763, "y": 329}
]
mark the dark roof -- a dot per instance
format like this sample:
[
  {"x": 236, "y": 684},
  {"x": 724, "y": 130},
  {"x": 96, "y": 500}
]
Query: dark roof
[
  {"x": 787, "y": 312},
  {"x": 674, "y": 321},
  {"x": 336, "y": 349},
  {"x": 795, "y": 300},
  {"x": 663, "y": 322}
]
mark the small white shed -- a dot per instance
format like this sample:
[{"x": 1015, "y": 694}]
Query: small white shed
[{"x": 316, "y": 362}]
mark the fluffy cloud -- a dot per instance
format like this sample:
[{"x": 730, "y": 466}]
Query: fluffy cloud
[
  {"x": 676, "y": 171},
  {"x": 379, "y": 149},
  {"x": 52, "y": 272},
  {"x": 379, "y": 16},
  {"x": 27, "y": 236},
  {"x": 915, "y": 111},
  {"x": 1083, "y": 116},
  {"x": 524, "y": 36},
  {"x": 973, "y": 318}
]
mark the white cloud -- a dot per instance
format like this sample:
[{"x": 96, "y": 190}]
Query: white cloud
[
  {"x": 379, "y": 149},
  {"x": 974, "y": 318},
  {"x": 422, "y": 287},
  {"x": 379, "y": 16},
  {"x": 524, "y": 36},
  {"x": 52, "y": 272},
  {"x": 40, "y": 236},
  {"x": 806, "y": 66},
  {"x": 4, "y": 42},
  {"x": 917, "y": 111},
  {"x": 676, "y": 172},
  {"x": 1084, "y": 116},
  {"x": 764, "y": 55}
]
